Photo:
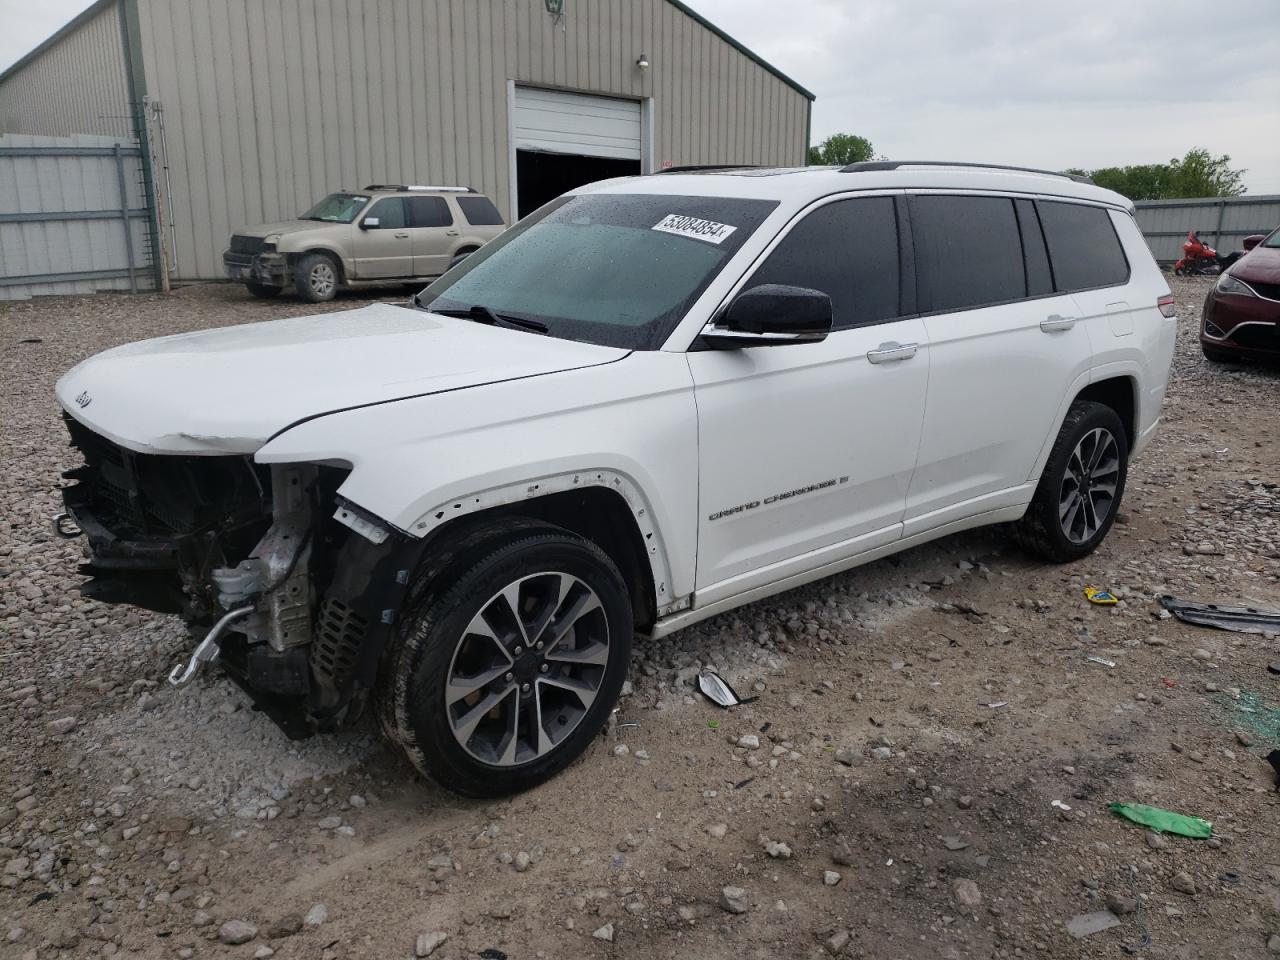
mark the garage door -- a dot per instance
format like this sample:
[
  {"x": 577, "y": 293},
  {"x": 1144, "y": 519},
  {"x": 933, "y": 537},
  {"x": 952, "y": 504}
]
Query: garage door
[{"x": 558, "y": 122}]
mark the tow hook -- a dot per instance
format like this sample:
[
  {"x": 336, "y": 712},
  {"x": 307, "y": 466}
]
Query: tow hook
[
  {"x": 207, "y": 650},
  {"x": 64, "y": 525}
]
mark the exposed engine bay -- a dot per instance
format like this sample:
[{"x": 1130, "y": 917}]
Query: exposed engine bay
[{"x": 294, "y": 589}]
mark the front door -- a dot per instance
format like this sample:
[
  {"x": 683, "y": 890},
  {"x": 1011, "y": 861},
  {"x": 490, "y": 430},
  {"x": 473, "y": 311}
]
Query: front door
[
  {"x": 1005, "y": 349},
  {"x": 385, "y": 250},
  {"x": 806, "y": 451}
]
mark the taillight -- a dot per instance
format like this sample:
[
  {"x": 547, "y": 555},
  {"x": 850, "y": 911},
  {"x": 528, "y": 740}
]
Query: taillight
[{"x": 1166, "y": 306}]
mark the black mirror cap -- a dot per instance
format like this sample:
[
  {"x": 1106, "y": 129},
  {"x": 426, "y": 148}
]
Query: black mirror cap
[{"x": 781, "y": 309}]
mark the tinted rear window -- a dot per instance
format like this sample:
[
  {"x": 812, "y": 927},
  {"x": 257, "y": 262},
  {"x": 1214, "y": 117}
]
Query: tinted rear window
[
  {"x": 968, "y": 251},
  {"x": 849, "y": 251},
  {"x": 1083, "y": 246},
  {"x": 430, "y": 212},
  {"x": 480, "y": 212}
]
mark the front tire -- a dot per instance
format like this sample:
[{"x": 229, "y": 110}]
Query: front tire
[
  {"x": 316, "y": 278},
  {"x": 510, "y": 662},
  {"x": 1081, "y": 487}
]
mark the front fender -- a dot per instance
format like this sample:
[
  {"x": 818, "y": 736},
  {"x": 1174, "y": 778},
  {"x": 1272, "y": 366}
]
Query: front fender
[{"x": 631, "y": 425}]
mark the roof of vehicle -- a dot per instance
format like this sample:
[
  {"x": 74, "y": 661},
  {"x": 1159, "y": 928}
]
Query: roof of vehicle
[
  {"x": 800, "y": 185},
  {"x": 413, "y": 188}
]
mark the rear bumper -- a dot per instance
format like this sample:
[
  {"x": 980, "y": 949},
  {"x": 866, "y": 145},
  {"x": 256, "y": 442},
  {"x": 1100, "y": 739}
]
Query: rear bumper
[
  {"x": 1249, "y": 326},
  {"x": 268, "y": 268}
]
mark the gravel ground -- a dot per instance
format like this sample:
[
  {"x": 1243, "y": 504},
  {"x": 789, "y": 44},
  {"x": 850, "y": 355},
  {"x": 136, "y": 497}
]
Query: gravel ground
[{"x": 899, "y": 789}]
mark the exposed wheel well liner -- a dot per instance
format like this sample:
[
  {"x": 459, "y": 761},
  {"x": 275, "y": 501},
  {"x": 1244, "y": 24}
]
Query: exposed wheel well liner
[
  {"x": 598, "y": 514},
  {"x": 293, "y": 258},
  {"x": 1118, "y": 393}
]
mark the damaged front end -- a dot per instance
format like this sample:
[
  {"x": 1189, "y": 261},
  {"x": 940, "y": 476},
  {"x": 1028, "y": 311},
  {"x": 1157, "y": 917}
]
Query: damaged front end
[{"x": 294, "y": 589}]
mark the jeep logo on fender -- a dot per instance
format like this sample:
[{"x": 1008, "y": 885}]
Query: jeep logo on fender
[{"x": 83, "y": 400}]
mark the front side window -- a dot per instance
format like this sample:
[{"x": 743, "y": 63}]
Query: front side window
[
  {"x": 613, "y": 269},
  {"x": 337, "y": 208},
  {"x": 1083, "y": 246},
  {"x": 389, "y": 212},
  {"x": 848, "y": 250},
  {"x": 968, "y": 250},
  {"x": 430, "y": 212}
]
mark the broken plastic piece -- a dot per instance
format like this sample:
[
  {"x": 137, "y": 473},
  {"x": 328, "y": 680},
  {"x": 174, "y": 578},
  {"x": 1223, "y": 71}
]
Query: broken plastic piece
[
  {"x": 1103, "y": 598},
  {"x": 1102, "y": 660},
  {"x": 1237, "y": 619},
  {"x": 1086, "y": 924},
  {"x": 1059, "y": 804},
  {"x": 716, "y": 689},
  {"x": 1164, "y": 821}
]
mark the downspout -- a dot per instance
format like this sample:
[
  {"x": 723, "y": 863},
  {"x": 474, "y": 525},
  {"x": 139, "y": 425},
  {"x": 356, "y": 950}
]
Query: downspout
[{"x": 135, "y": 76}]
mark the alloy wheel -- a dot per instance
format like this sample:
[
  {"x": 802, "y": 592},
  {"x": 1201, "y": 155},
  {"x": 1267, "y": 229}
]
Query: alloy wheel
[
  {"x": 527, "y": 668},
  {"x": 323, "y": 279},
  {"x": 1088, "y": 491}
]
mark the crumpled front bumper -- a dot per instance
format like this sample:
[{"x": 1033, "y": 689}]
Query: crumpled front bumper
[{"x": 268, "y": 268}]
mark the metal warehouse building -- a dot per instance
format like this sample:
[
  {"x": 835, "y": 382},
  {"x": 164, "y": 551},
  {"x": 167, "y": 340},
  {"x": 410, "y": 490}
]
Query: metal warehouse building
[{"x": 248, "y": 111}]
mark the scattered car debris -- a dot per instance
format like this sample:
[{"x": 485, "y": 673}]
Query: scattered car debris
[
  {"x": 1060, "y": 805},
  {"x": 1087, "y": 924},
  {"x": 1103, "y": 598},
  {"x": 716, "y": 689},
  {"x": 1093, "y": 658},
  {"x": 1237, "y": 619},
  {"x": 1164, "y": 821}
]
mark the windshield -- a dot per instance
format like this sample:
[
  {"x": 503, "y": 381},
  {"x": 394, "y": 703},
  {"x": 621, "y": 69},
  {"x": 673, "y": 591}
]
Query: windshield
[
  {"x": 337, "y": 208},
  {"x": 612, "y": 269},
  {"x": 1273, "y": 240}
]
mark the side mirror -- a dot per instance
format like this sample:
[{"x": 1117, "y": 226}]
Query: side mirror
[
  {"x": 370, "y": 223},
  {"x": 772, "y": 315},
  {"x": 1252, "y": 241}
]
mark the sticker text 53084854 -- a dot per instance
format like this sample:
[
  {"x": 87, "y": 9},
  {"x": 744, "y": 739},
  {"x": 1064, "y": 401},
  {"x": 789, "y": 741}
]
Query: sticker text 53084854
[{"x": 694, "y": 227}]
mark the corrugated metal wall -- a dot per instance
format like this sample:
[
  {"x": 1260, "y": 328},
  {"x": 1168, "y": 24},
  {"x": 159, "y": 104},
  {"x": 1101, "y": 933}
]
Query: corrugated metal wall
[
  {"x": 47, "y": 186},
  {"x": 269, "y": 104},
  {"x": 1222, "y": 223},
  {"x": 76, "y": 85}
]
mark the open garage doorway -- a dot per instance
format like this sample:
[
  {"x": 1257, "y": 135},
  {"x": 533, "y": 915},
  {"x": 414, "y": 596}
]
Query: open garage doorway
[
  {"x": 541, "y": 177},
  {"x": 561, "y": 140}
]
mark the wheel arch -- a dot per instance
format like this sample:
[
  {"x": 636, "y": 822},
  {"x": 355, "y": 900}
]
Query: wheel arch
[
  {"x": 334, "y": 255},
  {"x": 1120, "y": 393},
  {"x": 602, "y": 506}
]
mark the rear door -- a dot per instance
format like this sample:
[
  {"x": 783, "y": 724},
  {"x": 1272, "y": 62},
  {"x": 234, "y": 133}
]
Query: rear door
[
  {"x": 434, "y": 235},
  {"x": 1006, "y": 348},
  {"x": 805, "y": 452},
  {"x": 385, "y": 250}
]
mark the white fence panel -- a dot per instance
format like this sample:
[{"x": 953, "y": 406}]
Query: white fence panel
[
  {"x": 73, "y": 216},
  {"x": 1221, "y": 222}
]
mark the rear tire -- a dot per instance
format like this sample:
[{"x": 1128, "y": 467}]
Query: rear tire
[
  {"x": 1080, "y": 490},
  {"x": 550, "y": 674},
  {"x": 316, "y": 278},
  {"x": 262, "y": 291}
]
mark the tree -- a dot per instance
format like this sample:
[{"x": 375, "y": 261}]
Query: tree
[
  {"x": 1198, "y": 174},
  {"x": 840, "y": 149}
]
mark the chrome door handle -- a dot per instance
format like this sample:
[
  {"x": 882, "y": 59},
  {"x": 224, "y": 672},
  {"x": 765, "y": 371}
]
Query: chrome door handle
[
  {"x": 1055, "y": 322},
  {"x": 888, "y": 352}
]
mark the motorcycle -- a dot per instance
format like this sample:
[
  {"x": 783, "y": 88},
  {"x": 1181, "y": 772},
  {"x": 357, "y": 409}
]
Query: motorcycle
[{"x": 1201, "y": 260}]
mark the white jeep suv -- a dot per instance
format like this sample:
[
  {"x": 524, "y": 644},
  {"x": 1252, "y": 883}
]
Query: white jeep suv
[{"x": 652, "y": 401}]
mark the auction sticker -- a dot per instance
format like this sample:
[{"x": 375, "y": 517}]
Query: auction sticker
[{"x": 693, "y": 227}]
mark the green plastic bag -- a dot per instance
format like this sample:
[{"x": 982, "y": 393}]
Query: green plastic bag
[{"x": 1164, "y": 821}]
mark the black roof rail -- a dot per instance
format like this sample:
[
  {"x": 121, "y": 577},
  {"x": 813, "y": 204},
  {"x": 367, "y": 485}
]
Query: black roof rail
[
  {"x": 708, "y": 167},
  {"x": 407, "y": 188},
  {"x": 871, "y": 166}
]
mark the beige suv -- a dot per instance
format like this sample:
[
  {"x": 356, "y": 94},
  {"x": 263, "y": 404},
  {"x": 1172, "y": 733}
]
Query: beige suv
[{"x": 386, "y": 233}]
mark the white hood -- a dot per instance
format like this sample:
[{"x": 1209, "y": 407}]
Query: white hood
[{"x": 229, "y": 390}]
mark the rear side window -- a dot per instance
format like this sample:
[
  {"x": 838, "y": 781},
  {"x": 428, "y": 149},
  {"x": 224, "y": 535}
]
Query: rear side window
[
  {"x": 1083, "y": 246},
  {"x": 480, "y": 211},
  {"x": 968, "y": 250},
  {"x": 849, "y": 251},
  {"x": 389, "y": 212},
  {"x": 430, "y": 212}
]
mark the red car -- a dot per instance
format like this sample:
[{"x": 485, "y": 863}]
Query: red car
[{"x": 1242, "y": 310}]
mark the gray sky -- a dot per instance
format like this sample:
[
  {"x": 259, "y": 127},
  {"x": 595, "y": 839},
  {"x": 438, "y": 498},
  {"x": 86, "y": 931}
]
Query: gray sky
[{"x": 1036, "y": 82}]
